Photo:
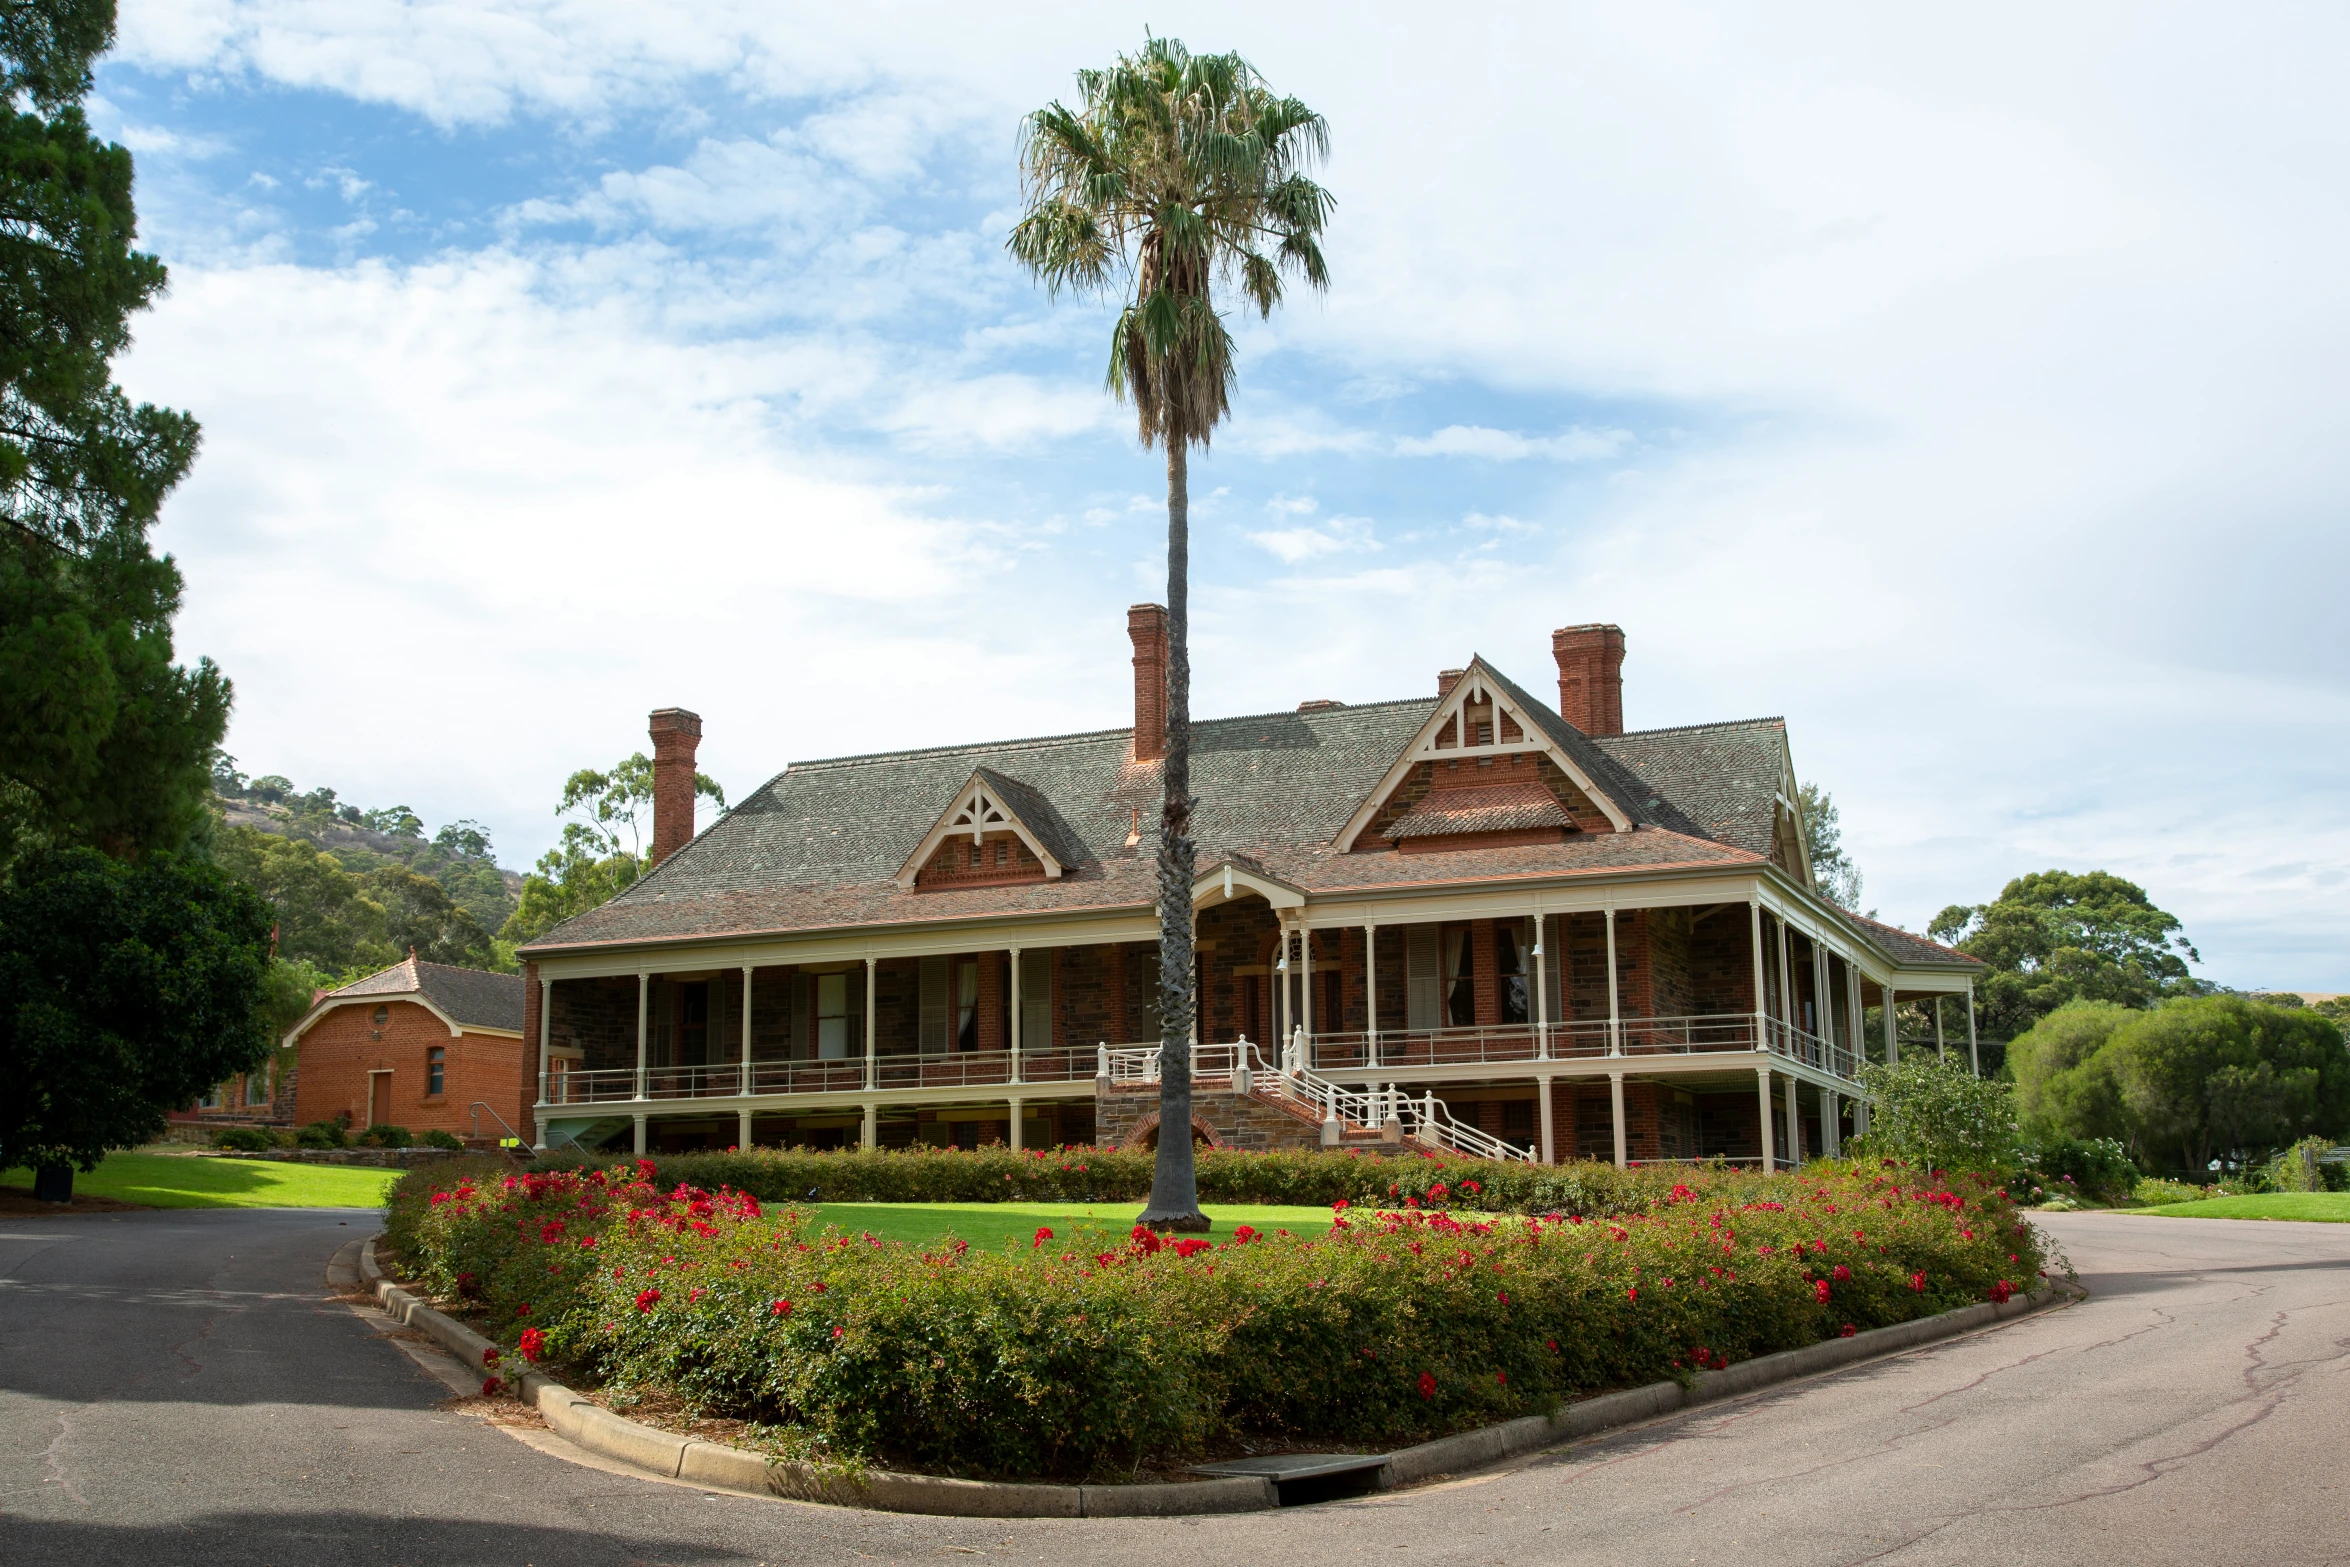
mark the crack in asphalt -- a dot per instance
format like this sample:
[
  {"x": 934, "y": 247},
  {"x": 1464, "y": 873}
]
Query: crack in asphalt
[{"x": 2258, "y": 1403}]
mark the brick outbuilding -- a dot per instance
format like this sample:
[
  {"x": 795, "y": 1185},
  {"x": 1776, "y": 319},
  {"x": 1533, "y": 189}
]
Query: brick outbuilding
[{"x": 419, "y": 1045}]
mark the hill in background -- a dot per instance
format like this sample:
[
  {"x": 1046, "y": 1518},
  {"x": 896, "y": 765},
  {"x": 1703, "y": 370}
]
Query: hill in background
[{"x": 355, "y": 889}]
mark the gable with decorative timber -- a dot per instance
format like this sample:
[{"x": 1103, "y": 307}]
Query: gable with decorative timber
[
  {"x": 981, "y": 839},
  {"x": 1479, "y": 773}
]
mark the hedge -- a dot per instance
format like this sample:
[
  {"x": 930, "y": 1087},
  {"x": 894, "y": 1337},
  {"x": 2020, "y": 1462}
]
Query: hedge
[
  {"x": 1092, "y": 1355},
  {"x": 1308, "y": 1177}
]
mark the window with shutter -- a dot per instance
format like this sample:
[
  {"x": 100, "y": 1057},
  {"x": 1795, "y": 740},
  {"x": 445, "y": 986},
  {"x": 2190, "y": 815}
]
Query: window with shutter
[
  {"x": 1036, "y": 1000},
  {"x": 1460, "y": 978},
  {"x": 802, "y": 1003},
  {"x": 1423, "y": 979},
  {"x": 693, "y": 1024},
  {"x": 935, "y": 1007},
  {"x": 1554, "y": 994},
  {"x": 1516, "y": 988},
  {"x": 832, "y": 1017},
  {"x": 967, "y": 1004}
]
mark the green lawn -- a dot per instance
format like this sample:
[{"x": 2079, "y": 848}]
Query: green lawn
[
  {"x": 989, "y": 1224},
  {"x": 2329, "y": 1207},
  {"x": 188, "y": 1181}
]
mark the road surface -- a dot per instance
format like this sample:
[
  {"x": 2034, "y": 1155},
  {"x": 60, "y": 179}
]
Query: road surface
[{"x": 177, "y": 1388}]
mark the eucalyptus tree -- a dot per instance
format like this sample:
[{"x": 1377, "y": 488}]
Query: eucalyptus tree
[{"x": 1176, "y": 180}]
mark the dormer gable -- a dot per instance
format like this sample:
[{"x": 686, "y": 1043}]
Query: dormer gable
[
  {"x": 1482, "y": 770},
  {"x": 992, "y": 832}
]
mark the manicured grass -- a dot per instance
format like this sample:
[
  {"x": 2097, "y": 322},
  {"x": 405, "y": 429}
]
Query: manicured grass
[
  {"x": 990, "y": 1224},
  {"x": 189, "y": 1181},
  {"x": 2327, "y": 1207}
]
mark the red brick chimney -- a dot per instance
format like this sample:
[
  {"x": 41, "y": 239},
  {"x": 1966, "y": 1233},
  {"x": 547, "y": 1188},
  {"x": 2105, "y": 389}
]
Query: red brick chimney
[
  {"x": 1446, "y": 679},
  {"x": 1591, "y": 677},
  {"x": 1147, "y": 625},
  {"x": 677, "y": 734}
]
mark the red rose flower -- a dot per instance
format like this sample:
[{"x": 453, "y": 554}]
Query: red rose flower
[
  {"x": 1427, "y": 1384},
  {"x": 648, "y": 1299}
]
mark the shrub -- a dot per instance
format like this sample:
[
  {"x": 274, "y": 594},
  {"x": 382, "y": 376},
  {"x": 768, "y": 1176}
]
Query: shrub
[
  {"x": 382, "y": 1135},
  {"x": 2099, "y": 1169},
  {"x": 1937, "y": 1115},
  {"x": 2153, "y": 1192},
  {"x": 2297, "y": 1168},
  {"x": 244, "y": 1139},
  {"x": 437, "y": 1138},
  {"x": 320, "y": 1134},
  {"x": 1093, "y": 1353},
  {"x": 1086, "y": 1174}
]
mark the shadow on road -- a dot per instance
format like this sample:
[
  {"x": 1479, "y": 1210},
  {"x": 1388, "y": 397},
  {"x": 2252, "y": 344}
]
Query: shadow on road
[{"x": 283, "y": 1538}]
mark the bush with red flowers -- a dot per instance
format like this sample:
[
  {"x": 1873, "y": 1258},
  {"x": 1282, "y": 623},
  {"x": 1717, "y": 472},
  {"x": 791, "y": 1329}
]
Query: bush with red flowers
[{"x": 1089, "y": 1354}]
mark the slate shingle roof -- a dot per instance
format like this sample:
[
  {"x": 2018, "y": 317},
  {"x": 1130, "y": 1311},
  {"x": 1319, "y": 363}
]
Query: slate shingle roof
[
  {"x": 818, "y": 846},
  {"x": 474, "y": 997},
  {"x": 1909, "y": 947},
  {"x": 1724, "y": 778}
]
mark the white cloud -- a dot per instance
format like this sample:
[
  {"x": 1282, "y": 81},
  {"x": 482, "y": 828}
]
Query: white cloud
[
  {"x": 424, "y": 558},
  {"x": 1336, "y": 535},
  {"x": 1478, "y": 522},
  {"x": 2004, "y": 393},
  {"x": 1575, "y": 444}
]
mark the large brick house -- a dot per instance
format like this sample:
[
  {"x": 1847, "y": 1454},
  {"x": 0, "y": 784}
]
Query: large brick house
[
  {"x": 427, "y": 1046},
  {"x": 1468, "y": 919}
]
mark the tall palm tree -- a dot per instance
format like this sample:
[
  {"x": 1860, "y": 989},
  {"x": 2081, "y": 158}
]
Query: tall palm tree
[{"x": 1175, "y": 176}]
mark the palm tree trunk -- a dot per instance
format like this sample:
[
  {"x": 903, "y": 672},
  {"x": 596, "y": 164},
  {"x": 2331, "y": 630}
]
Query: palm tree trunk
[{"x": 1174, "y": 1203}]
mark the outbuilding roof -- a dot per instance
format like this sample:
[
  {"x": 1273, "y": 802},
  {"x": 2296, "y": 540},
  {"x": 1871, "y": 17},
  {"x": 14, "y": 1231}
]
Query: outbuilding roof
[{"x": 470, "y": 997}]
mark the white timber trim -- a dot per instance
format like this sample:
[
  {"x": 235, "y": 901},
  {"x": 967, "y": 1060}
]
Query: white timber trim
[
  {"x": 1477, "y": 687},
  {"x": 1225, "y": 881},
  {"x": 978, "y": 809}
]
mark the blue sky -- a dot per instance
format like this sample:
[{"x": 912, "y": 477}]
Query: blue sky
[{"x": 1971, "y": 399}]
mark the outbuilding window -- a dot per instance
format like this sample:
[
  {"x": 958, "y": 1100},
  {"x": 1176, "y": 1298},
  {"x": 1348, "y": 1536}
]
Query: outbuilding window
[{"x": 436, "y": 1069}]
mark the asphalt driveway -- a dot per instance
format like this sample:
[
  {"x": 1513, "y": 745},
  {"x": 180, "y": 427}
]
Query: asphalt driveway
[{"x": 176, "y": 1387}]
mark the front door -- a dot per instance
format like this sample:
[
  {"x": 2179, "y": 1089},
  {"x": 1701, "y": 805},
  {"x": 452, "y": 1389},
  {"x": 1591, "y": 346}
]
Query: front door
[{"x": 379, "y": 1099}]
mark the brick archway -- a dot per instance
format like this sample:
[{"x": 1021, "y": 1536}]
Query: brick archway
[{"x": 1146, "y": 1133}]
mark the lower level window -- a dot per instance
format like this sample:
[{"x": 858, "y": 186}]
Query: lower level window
[{"x": 436, "y": 1069}]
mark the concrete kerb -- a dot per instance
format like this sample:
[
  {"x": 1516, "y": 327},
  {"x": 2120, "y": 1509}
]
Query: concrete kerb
[
  {"x": 590, "y": 1425},
  {"x": 1472, "y": 1449}
]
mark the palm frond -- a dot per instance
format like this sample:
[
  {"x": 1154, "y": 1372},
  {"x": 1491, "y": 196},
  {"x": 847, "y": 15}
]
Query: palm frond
[{"x": 1181, "y": 174}]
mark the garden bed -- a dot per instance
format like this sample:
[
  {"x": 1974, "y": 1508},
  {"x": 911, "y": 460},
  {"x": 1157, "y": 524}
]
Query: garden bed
[{"x": 1105, "y": 1354}]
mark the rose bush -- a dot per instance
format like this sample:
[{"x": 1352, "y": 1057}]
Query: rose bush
[{"x": 1092, "y": 1353}]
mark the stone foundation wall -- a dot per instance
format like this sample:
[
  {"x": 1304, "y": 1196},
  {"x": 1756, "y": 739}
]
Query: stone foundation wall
[{"x": 1121, "y": 1114}]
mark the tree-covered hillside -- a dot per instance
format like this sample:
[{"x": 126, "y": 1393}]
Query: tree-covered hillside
[{"x": 355, "y": 889}]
